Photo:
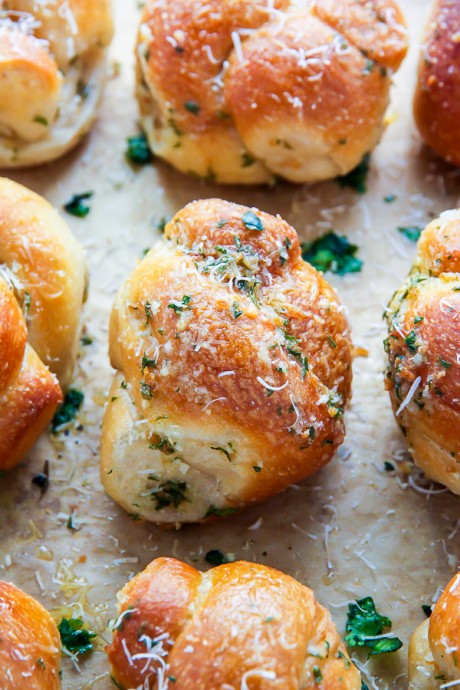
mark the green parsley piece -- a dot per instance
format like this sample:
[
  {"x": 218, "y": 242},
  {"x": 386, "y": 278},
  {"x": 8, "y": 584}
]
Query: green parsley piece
[
  {"x": 365, "y": 626},
  {"x": 138, "y": 150},
  {"x": 220, "y": 512},
  {"x": 179, "y": 308},
  {"x": 192, "y": 107},
  {"x": 170, "y": 493},
  {"x": 357, "y": 178},
  {"x": 410, "y": 342},
  {"x": 247, "y": 159},
  {"x": 78, "y": 205},
  {"x": 442, "y": 362},
  {"x": 148, "y": 311},
  {"x": 147, "y": 363},
  {"x": 41, "y": 120},
  {"x": 236, "y": 311},
  {"x": 332, "y": 252},
  {"x": 216, "y": 557},
  {"x": 68, "y": 410},
  {"x": 226, "y": 451},
  {"x": 146, "y": 391},
  {"x": 318, "y": 676},
  {"x": 412, "y": 232},
  {"x": 75, "y": 638},
  {"x": 252, "y": 222}
]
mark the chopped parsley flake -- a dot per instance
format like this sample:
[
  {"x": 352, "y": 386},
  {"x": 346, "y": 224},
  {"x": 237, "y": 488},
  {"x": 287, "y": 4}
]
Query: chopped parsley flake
[
  {"x": 216, "y": 557},
  {"x": 333, "y": 253},
  {"x": 148, "y": 311},
  {"x": 410, "y": 342},
  {"x": 412, "y": 232},
  {"x": 236, "y": 311},
  {"x": 68, "y": 410},
  {"x": 148, "y": 363},
  {"x": 138, "y": 150},
  {"x": 357, "y": 178},
  {"x": 146, "y": 391},
  {"x": 192, "y": 107},
  {"x": 442, "y": 362},
  {"x": 365, "y": 627},
  {"x": 220, "y": 512},
  {"x": 78, "y": 206},
  {"x": 41, "y": 120},
  {"x": 248, "y": 160},
  {"x": 252, "y": 222},
  {"x": 225, "y": 451},
  {"x": 76, "y": 639},
  {"x": 169, "y": 493},
  {"x": 318, "y": 676},
  {"x": 178, "y": 308}
]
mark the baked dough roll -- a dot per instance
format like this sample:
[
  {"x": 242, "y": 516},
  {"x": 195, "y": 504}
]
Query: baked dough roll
[
  {"x": 42, "y": 288},
  {"x": 30, "y": 649},
  {"x": 423, "y": 374},
  {"x": 239, "y": 625},
  {"x": 242, "y": 92},
  {"x": 437, "y": 95},
  {"x": 434, "y": 650},
  {"x": 52, "y": 71},
  {"x": 234, "y": 368}
]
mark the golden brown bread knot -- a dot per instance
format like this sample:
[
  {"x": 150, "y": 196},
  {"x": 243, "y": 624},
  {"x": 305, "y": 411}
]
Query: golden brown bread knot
[
  {"x": 241, "y": 92},
  {"x": 240, "y": 626},
  {"x": 423, "y": 374},
  {"x": 30, "y": 647},
  {"x": 434, "y": 651},
  {"x": 437, "y": 96},
  {"x": 42, "y": 287},
  {"x": 52, "y": 67},
  {"x": 234, "y": 368}
]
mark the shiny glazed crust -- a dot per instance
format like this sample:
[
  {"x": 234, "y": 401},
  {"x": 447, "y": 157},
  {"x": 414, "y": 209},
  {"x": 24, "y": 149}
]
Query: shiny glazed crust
[
  {"x": 30, "y": 648},
  {"x": 42, "y": 287},
  {"x": 52, "y": 70},
  {"x": 235, "y": 365},
  {"x": 423, "y": 368},
  {"x": 240, "y": 625},
  {"x": 434, "y": 654},
  {"x": 437, "y": 96},
  {"x": 240, "y": 92}
]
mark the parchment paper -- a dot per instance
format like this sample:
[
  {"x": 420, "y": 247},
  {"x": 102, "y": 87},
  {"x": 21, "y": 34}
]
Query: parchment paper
[{"x": 353, "y": 530}]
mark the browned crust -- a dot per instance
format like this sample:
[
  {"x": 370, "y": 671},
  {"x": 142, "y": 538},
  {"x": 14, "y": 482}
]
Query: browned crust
[
  {"x": 49, "y": 264},
  {"x": 424, "y": 332},
  {"x": 13, "y": 336},
  {"x": 27, "y": 55},
  {"x": 437, "y": 96},
  {"x": 274, "y": 85},
  {"x": 298, "y": 327},
  {"x": 30, "y": 646},
  {"x": 376, "y": 28},
  {"x": 293, "y": 75},
  {"x": 444, "y": 630},
  {"x": 26, "y": 408},
  {"x": 239, "y": 622}
]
